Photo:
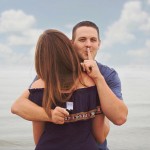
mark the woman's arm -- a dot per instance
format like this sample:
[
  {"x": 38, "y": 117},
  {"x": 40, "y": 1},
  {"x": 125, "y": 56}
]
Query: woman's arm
[
  {"x": 100, "y": 127},
  {"x": 38, "y": 128}
]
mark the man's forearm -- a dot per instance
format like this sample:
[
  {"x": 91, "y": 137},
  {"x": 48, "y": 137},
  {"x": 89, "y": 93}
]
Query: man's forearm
[
  {"x": 28, "y": 110},
  {"x": 100, "y": 127},
  {"x": 114, "y": 109}
]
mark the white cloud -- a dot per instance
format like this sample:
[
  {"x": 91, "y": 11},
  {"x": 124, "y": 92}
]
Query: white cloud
[
  {"x": 103, "y": 57},
  {"x": 9, "y": 56},
  {"x": 132, "y": 18},
  {"x": 146, "y": 26},
  {"x": 148, "y": 1},
  {"x": 15, "y": 20},
  {"x": 17, "y": 29},
  {"x": 141, "y": 52},
  {"x": 147, "y": 43},
  {"x": 28, "y": 37},
  {"x": 117, "y": 33},
  {"x": 5, "y": 50},
  {"x": 133, "y": 15}
]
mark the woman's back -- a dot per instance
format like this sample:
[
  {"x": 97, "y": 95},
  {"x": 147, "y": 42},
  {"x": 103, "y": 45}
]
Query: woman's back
[{"x": 76, "y": 132}]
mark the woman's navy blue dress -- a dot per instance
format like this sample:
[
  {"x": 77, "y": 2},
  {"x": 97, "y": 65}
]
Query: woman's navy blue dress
[{"x": 76, "y": 132}]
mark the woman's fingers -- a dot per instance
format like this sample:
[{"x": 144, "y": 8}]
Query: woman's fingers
[{"x": 58, "y": 115}]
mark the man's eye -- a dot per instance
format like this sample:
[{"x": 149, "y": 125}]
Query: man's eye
[
  {"x": 93, "y": 40},
  {"x": 82, "y": 40}
]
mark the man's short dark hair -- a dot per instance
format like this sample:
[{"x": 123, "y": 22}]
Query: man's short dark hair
[{"x": 87, "y": 24}]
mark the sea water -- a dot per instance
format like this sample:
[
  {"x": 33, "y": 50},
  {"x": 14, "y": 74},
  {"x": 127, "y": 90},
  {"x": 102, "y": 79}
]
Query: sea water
[{"x": 16, "y": 133}]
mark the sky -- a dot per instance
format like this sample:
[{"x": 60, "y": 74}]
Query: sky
[{"x": 124, "y": 28}]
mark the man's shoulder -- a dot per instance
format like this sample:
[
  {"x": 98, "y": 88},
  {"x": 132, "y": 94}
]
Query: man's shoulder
[
  {"x": 106, "y": 70},
  {"x": 112, "y": 79}
]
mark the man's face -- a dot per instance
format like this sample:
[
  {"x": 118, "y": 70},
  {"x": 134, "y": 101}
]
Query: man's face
[{"x": 86, "y": 37}]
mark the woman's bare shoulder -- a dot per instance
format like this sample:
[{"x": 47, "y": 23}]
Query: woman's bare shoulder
[{"x": 37, "y": 84}]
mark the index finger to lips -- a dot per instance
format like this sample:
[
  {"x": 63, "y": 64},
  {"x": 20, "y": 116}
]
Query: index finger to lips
[{"x": 89, "y": 54}]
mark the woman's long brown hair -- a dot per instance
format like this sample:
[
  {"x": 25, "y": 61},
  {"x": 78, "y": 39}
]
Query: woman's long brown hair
[{"x": 57, "y": 64}]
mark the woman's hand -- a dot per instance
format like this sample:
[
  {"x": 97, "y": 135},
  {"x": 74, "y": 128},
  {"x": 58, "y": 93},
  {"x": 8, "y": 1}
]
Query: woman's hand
[{"x": 58, "y": 115}]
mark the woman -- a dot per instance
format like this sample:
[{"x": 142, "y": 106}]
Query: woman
[{"x": 63, "y": 86}]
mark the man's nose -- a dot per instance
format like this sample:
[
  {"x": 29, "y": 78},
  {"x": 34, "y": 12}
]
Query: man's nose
[{"x": 88, "y": 43}]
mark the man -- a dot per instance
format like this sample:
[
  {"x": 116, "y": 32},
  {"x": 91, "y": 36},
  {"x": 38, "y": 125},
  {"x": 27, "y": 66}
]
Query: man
[
  {"x": 86, "y": 41},
  {"x": 86, "y": 36}
]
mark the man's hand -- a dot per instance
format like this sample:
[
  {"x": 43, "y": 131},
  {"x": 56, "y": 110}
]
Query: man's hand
[
  {"x": 90, "y": 66},
  {"x": 58, "y": 115}
]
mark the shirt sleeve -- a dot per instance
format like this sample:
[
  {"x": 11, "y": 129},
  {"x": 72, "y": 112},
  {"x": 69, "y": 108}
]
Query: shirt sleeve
[
  {"x": 112, "y": 79},
  {"x": 114, "y": 83}
]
